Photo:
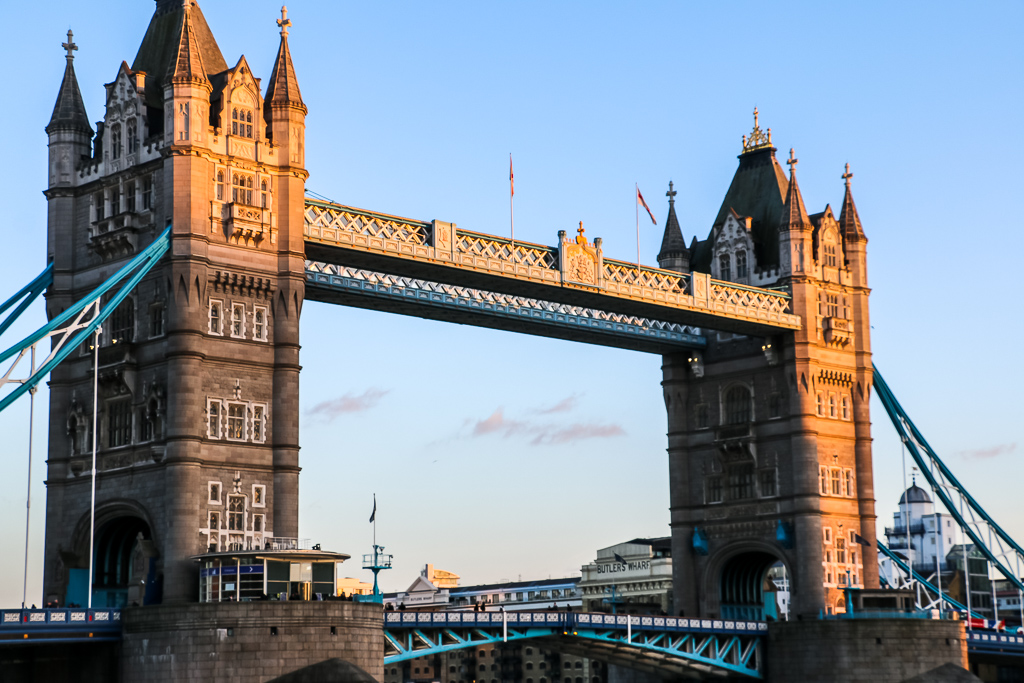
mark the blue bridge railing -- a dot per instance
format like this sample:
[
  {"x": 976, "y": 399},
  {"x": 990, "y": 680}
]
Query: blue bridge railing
[{"x": 62, "y": 625}]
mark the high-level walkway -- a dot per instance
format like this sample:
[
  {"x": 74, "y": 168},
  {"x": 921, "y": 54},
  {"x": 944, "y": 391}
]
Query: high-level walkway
[{"x": 433, "y": 269}]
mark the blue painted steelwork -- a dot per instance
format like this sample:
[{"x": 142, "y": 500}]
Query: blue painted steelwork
[
  {"x": 999, "y": 549},
  {"x": 68, "y": 625},
  {"x": 71, "y": 323},
  {"x": 29, "y": 293},
  {"x": 654, "y": 335},
  {"x": 898, "y": 561},
  {"x": 724, "y": 647},
  {"x": 993, "y": 642}
]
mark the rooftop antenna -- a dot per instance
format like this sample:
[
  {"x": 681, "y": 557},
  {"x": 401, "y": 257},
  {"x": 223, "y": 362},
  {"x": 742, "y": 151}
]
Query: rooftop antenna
[{"x": 377, "y": 561}]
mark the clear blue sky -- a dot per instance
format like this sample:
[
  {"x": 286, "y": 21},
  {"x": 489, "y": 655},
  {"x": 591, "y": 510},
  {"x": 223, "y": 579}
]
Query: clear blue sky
[{"x": 496, "y": 455}]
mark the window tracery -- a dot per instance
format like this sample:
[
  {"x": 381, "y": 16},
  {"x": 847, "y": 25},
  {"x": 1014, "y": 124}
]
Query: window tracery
[{"x": 241, "y": 122}]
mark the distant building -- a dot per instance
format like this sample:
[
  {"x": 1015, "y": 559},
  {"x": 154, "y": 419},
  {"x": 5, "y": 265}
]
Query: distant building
[
  {"x": 349, "y": 587},
  {"x": 514, "y": 662},
  {"x": 634, "y": 577},
  {"x": 931, "y": 534}
]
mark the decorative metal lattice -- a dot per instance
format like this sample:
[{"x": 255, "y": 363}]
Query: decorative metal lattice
[
  {"x": 426, "y": 292},
  {"x": 631, "y": 274},
  {"x": 476, "y": 244},
  {"x": 331, "y": 222},
  {"x": 725, "y": 297}
]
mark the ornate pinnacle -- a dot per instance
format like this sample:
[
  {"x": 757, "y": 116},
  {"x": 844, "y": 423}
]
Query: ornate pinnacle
[
  {"x": 792, "y": 161},
  {"x": 846, "y": 176},
  {"x": 70, "y": 46},
  {"x": 671, "y": 194},
  {"x": 284, "y": 22},
  {"x": 757, "y": 138}
]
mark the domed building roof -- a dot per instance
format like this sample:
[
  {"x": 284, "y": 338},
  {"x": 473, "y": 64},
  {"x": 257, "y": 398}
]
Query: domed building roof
[{"x": 915, "y": 494}]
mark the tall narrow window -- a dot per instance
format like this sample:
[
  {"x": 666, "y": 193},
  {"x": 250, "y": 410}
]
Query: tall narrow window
[
  {"x": 214, "y": 490},
  {"x": 214, "y": 523},
  {"x": 767, "y": 483},
  {"x": 259, "y": 495},
  {"x": 841, "y": 550},
  {"x": 122, "y": 322},
  {"x": 846, "y": 407},
  {"x": 145, "y": 424},
  {"x": 236, "y": 421},
  {"x": 115, "y": 201},
  {"x": 775, "y": 405},
  {"x": 147, "y": 193},
  {"x": 259, "y": 423},
  {"x": 216, "y": 317},
  {"x": 248, "y": 124},
  {"x": 238, "y": 320},
  {"x": 823, "y": 480},
  {"x": 129, "y": 197},
  {"x": 234, "y": 122},
  {"x": 115, "y": 141},
  {"x": 185, "y": 123},
  {"x": 741, "y": 264},
  {"x": 714, "y": 489},
  {"x": 220, "y": 186},
  {"x": 737, "y": 406},
  {"x": 833, "y": 411},
  {"x": 236, "y": 513},
  {"x": 263, "y": 194},
  {"x": 703, "y": 417},
  {"x": 848, "y": 482},
  {"x": 723, "y": 267},
  {"x": 99, "y": 203},
  {"x": 213, "y": 413},
  {"x": 837, "y": 486},
  {"x": 741, "y": 481},
  {"x": 119, "y": 424},
  {"x": 131, "y": 135},
  {"x": 259, "y": 323},
  {"x": 821, "y": 404},
  {"x": 156, "y": 320}
]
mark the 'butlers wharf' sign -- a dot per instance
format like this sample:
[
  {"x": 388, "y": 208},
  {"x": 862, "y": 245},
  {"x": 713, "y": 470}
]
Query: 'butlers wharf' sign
[{"x": 614, "y": 567}]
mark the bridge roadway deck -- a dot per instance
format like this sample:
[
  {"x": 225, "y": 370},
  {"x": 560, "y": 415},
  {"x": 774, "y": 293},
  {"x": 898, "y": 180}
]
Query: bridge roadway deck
[{"x": 571, "y": 273}]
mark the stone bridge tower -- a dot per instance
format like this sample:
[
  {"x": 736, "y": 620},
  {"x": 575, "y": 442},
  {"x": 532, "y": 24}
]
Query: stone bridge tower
[
  {"x": 769, "y": 438},
  {"x": 198, "y": 378}
]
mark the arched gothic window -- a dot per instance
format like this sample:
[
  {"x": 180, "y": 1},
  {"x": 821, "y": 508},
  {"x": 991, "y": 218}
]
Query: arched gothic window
[
  {"x": 131, "y": 133},
  {"x": 741, "y": 264},
  {"x": 263, "y": 194},
  {"x": 723, "y": 267},
  {"x": 737, "y": 405},
  {"x": 241, "y": 190},
  {"x": 220, "y": 186},
  {"x": 115, "y": 141},
  {"x": 241, "y": 122}
]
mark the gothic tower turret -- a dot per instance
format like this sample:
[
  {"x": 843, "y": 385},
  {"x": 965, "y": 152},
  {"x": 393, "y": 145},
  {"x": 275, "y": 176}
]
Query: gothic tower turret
[
  {"x": 198, "y": 369},
  {"x": 769, "y": 438},
  {"x": 673, "y": 254}
]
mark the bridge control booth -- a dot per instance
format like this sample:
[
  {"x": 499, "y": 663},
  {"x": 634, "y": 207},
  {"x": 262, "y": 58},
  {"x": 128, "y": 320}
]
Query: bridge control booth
[{"x": 283, "y": 570}]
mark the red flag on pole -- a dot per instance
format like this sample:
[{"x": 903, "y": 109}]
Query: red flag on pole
[
  {"x": 511, "y": 177},
  {"x": 641, "y": 202}
]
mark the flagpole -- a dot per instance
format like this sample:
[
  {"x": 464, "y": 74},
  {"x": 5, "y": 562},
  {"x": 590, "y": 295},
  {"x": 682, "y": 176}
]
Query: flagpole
[
  {"x": 636, "y": 205},
  {"x": 511, "y": 207}
]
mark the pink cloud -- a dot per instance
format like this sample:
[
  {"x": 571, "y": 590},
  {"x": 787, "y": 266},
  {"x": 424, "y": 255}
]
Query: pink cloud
[
  {"x": 990, "y": 452},
  {"x": 349, "y": 403},
  {"x": 542, "y": 434},
  {"x": 563, "y": 406}
]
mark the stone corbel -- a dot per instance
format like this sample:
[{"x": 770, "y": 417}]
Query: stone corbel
[{"x": 771, "y": 351}]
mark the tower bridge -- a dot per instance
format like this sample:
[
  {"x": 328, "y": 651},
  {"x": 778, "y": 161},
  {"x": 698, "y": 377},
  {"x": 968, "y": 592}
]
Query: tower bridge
[{"x": 191, "y": 377}]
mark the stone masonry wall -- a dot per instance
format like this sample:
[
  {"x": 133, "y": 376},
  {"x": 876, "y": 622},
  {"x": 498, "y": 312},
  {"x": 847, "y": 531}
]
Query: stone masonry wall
[
  {"x": 861, "y": 650},
  {"x": 248, "y": 641}
]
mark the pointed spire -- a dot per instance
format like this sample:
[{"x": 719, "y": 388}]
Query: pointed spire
[
  {"x": 69, "y": 110},
  {"x": 673, "y": 245},
  {"x": 849, "y": 220},
  {"x": 186, "y": 64},
  {"x": 794, "y": 214},
  {"x": 284, "y": 86}
]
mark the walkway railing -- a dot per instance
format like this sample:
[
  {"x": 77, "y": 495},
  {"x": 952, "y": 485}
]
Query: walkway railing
[
  {"x": 61, "y": 625},
  {"x": 573, "y": 271}
]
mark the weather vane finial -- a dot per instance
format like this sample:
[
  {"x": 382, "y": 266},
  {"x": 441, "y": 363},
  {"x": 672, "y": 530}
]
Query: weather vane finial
[
  {"x": 792, "y": 160},
  {"x": 671, "y": 194},
  {"x": 847, "y": 175},
  {"x": 70, "y": 45},
  {"x": 284, "y": 22}
]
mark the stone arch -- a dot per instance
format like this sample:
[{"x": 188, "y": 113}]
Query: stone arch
[
  {"x": 736, "y": 583},
  {"x": 124, "y": 570},
  {"x": 731, "y": 392}
]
